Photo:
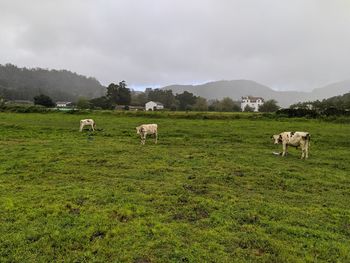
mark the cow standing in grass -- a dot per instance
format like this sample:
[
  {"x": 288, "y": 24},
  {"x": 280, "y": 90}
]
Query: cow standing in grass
[
  {"x": 294, "y": 139},
  {"x": 87, "y": 122},
  {"x": 145, "y": 129}
]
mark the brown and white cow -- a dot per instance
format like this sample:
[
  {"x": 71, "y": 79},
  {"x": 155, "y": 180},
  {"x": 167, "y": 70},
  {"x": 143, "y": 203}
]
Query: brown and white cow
[
  {"x": 145, "y": 129},
  {"x": 87, "y": 122},
  {"x": 294, "y": 139}
]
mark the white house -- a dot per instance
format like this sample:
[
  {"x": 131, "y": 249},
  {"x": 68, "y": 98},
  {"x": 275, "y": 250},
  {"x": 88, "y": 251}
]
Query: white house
[
  {"x": 253, "y": 102},
  {"x": 153, "y": 105},
  {"x": 63, "y": 104}
]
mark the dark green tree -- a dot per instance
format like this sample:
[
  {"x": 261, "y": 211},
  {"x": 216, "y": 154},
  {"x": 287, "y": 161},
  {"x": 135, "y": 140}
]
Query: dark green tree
[
  {"x": 214, "y": 105},
  {"x": 201, "y": 104},
  {"x": 300, "y": 105},
  {"x": 185, "y": 100},
  {"x": 269, "y": 106},
  {"x": 44, "y": 101},
  {"x": 83, "y": 103},
  {"x": 119, "y": 94},
  {"x": 2, "y": 102},
  {"x": 101, "y": 103},
  {"x": 164, "y": 96},
  {"x": 138, "y": 98},
  {"x": 227, "y": 104},
  {"x": 248, "y": 109}
]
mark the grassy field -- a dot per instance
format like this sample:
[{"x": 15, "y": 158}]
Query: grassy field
[{"x": 210, "y": 191}]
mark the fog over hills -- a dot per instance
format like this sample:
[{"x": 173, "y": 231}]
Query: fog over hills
[
  {"x": 235, "y": 89},
  {"x": 25, "y": 83},
  {"x": 330, "y": 90}
]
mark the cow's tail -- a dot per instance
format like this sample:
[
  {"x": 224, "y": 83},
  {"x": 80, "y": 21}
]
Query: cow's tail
[{"x": 307, "y": 138}]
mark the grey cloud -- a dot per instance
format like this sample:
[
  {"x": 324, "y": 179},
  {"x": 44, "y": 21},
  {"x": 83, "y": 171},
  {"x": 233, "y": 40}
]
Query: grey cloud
[{"x": 284, "y": 44}]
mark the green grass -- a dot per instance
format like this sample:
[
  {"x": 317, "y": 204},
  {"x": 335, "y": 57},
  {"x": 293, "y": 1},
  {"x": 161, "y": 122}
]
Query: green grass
[{"x": 210, "y": 191}]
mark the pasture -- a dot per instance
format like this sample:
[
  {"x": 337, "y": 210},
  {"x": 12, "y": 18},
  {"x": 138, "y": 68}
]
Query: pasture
[{"x": 209, "y": 191}]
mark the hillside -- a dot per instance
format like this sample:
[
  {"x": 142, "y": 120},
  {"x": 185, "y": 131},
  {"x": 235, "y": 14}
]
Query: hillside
[
  {"x": 23, "y": 83},
  {"x": 334, "y": 89},
  {"x": 238, "y": 88}
]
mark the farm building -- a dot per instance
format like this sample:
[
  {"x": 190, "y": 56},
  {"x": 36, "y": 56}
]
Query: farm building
[
  {"x": 253, "y": 102},
  {"x": 154, "y": 105}
]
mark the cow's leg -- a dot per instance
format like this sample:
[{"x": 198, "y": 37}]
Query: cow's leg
[
  {"x": 92, "y": 126},
  {"x": 284, "y": 149},
  {"x": 302, "y": 146},
  {"x": 81, "y": 127},
  {"x": 156, "y": 135},
  {"x": 143, "y": 138},
  {"x": 307, "y": 150}
]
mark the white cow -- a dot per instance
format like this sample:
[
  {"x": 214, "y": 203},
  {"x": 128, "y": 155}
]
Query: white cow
[
  {"x": 145, "y": 129},
  {"x": 87, "y": 122},
  {"x": 294, "y": 139}
]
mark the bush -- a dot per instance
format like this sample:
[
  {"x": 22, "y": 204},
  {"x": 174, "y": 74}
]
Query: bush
[
  {"x": 333, "y": 111},
  {"x": 298, "y": 113},
  {"x": 44, "y": 101},
  {"x": 304, "y": 112},
  {"x": 24, "y": 109},
  {"x": 101, "y": 103},
  {"x": 83, "y": 103},
  {"x": 269, "y": 106},
  {"x": 248, "y": 109}
]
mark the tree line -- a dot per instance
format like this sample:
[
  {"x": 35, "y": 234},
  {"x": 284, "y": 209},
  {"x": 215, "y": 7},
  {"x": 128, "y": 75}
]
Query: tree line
[
  {"x": 338, "y": 102},
  {"x": 334, "y": 106},
  {"x": 120, "y": 95}
]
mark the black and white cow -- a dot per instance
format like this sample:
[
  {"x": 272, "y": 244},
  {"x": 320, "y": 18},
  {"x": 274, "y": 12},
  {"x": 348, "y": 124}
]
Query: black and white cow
[{"x": 294, "y": 139}]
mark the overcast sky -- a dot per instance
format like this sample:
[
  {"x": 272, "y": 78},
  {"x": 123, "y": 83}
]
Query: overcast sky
[{"x": 285, "y": 44}]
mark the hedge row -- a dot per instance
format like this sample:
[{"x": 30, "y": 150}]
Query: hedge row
[{"x": 292, "y": 113}]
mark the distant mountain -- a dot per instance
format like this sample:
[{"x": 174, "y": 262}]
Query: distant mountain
[
  {"x": 235, "y": 89},
  {"x": 23, "y": 83},
  {"x": 334, "y": 89}
]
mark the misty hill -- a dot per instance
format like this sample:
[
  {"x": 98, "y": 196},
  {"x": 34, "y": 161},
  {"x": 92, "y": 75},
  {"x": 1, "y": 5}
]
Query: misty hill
[
  {"x": 331, "y": 90},
  {"x": 235, "y": 89},
  {"x": 23, "y": 83}
]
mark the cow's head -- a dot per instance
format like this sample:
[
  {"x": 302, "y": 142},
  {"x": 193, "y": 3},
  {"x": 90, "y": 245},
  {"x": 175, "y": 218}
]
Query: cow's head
[
  {"x": 277, "y": 138},
  {"x": 138, "y": 129}
]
